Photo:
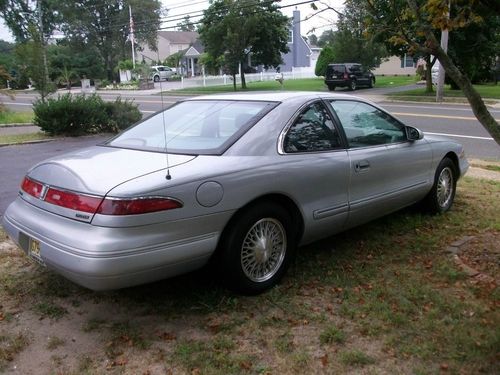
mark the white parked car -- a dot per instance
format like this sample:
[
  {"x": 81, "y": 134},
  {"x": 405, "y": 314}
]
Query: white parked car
[{"x": 161, "y": 72}]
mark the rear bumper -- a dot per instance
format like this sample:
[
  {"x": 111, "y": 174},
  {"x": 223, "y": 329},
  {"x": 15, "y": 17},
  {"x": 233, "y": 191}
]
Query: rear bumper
[
  {"x": 337, "y": 82},
  {"x": 102, "y": 258}
]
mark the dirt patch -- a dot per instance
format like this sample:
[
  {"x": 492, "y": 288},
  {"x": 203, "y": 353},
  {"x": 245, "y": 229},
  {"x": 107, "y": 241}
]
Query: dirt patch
[{"x": 482, "y": 253}]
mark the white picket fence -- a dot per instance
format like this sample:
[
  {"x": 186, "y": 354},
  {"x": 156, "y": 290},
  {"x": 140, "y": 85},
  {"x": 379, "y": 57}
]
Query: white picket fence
[{"x": 205, "y": 80}]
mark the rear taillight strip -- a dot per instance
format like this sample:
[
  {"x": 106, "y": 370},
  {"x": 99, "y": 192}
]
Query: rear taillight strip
[
  {"x": 97, "y": 204},
  {"x": 137, "y": 205}
]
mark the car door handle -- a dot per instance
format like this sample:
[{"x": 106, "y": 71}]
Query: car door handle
[{"x": 362, "y": 165}]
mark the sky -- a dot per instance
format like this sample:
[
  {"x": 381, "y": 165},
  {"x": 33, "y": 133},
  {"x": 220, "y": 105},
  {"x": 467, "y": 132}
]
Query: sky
[{"x": 179, "y": 8}]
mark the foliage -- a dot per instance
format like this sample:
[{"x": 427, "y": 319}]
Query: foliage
[
  {"x": 31, "y": 53},
  {"x": 186, "y": 24},
  {"x": 234, "y": 29},
  {"x": 121, "y": 114},
  {"x": 174, "y": 59},
  {"x": 125, "y": 64},
  {"x": 325, "y": 57},
  {"x": 413, "y": 25},
  {"x": 350, "y": 42},
  {"x": 77, "y": 115}
]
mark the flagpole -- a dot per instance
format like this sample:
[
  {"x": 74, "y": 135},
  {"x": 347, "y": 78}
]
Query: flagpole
[{"x": 132, "y": 39}]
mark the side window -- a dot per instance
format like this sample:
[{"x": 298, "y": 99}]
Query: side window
[
  {"x": 313, "y": 130},
  {"x": 365, "y": 125}
]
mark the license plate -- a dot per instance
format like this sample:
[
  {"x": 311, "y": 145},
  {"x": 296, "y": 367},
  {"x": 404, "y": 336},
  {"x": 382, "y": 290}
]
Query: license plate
[
  {"x": 34, "y": 249},
  {"x": 334, "y": 76}
]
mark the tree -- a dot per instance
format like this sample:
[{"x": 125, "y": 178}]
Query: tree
[
  {"x": 186, "y": 24},
  {"x": 413, "y": 24},
  {"x": 350, "y": 43},
  {"x": 313, "y": 39},
  {"x": 236, "y": 29},
  {"x": 104, "y": 25},
  {"x": 325, "y": 57}
]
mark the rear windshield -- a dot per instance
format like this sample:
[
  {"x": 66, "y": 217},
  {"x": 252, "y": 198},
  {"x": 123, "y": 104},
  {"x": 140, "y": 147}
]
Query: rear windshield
[
  {"x": 336, "y": 69},
  {"x": 205, "y": 127}
]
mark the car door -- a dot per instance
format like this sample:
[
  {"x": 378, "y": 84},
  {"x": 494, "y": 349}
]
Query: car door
[
  {"x": 387, "y": 172},
  {"x": 319, "y": 163}
]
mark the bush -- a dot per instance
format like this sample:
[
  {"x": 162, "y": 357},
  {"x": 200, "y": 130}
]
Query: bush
[
  {"x": 326, "y": 57},
  {"x": 78, "y": 115},
  {"x": 122, "y": 114}
]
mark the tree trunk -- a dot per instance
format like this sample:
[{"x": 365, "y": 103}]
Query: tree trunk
[
  {"x": 243, "y": 81},
  {"x": 428, "y": 73},
  {"x": 234, "y": 81},
  {"x": 475, "y": 100}
]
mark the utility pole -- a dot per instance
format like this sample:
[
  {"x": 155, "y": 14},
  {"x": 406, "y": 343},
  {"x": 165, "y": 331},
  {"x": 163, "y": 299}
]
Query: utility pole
[
  {"x": 132, "y": 41},
  {"x": 45, "y": 79},
  {"x": 441, "y": 72}
]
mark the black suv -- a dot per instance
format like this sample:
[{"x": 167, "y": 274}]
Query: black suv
[{"x": 348, "y": 75}]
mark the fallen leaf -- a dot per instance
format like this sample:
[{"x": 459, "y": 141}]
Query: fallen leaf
[
  {"x": 444, "y": 366},
  {"x": 324, "y": 360}
]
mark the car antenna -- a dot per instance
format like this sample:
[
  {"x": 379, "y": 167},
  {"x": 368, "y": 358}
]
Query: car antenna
[{"x": 168, "y": 176}]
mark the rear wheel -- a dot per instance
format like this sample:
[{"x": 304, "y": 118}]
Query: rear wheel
[
  {"x": 372, "y": 82},
  {"x": 352, "y": 85},
  {"x": 440, "y": 198},
  {"x": 257, "y": 249},
  {"x": 331, "y": 87}
]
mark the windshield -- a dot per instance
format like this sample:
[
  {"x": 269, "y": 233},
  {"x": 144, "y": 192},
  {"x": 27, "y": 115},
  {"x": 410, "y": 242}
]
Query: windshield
[{"x": 194, "y": 127}]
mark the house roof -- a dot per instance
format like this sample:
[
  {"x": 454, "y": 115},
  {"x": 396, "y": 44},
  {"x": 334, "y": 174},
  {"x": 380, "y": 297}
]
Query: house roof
[{"x": 179, "y": 37}]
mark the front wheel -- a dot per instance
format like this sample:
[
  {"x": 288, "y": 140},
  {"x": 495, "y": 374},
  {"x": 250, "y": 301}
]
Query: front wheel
[
  {"x": 440, "y": 198},
  {"x": 257, "y": 249},
  {"x": 156, "y": 78}
]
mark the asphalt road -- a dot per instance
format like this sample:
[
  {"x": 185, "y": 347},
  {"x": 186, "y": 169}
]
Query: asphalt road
[{"x": 455, "y": 121}]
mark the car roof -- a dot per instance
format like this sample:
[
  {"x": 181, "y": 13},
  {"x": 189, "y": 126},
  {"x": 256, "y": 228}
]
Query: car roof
[{"x": 275, "y": 96}]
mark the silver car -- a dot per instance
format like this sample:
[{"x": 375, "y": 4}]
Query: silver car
[{"x": 238, "y": 179}]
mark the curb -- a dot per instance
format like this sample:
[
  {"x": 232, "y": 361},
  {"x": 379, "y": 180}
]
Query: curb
[
  {"x": 28, "y": 142},
  {"x": 17, "y": 125},
  {"x": 455, "y": 248}
]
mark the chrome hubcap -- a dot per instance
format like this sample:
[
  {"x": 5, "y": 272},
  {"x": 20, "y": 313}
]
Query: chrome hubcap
[
  {"x": 444, "y": 187},
  {"x": 263, "y": 249}
]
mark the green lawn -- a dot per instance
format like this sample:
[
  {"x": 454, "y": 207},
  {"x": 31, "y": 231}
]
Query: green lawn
[
  {"x": 306, "y": 84},
  {"x": 489, "y": 91},
  {"x": 13, "y": 117},
  {"x": 21, "y": 138}
]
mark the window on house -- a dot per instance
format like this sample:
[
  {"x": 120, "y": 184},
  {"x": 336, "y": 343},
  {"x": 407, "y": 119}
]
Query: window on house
[
  {"x": 290, "y": 33},
  {"x": 407, "y": 61}
]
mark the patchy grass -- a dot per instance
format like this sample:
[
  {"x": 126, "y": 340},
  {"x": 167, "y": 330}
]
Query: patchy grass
[
  {"x": 355, "y": 358},
  {"x": 22, "y": 138},
  {"x": 306, "y": 84},
  {"x": 487, "y": 91},
  {"x": 54, "y": 342},
  {"x": 49, "y": 309},
  {"x": 382, "y": 298},
  {"x": 332, "y": 335},
  {"x": 10, "y": 345},
  {"x": 13, "y": 117}
]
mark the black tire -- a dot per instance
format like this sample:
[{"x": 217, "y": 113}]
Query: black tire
[
  {"x": 352, "y": 85},
  {"x": 372, "y": 82},
  {"x": 331, "y": 87},
  {"x": 440, "y": 198},
  {"x": 156, "y": 78},
  {"x": 239, "y": 244}
]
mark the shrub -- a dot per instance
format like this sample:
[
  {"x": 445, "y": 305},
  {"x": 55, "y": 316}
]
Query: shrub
[
  {"x": 70, "y": 115},
  {"x": 78, "y": 115},
  {"x": 325, "y": 57},
  {"x": 122, "y": 114}
]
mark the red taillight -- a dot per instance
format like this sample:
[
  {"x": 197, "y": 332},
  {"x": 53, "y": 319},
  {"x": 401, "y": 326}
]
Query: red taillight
[
  {"x": 73, "y": 201},
  {"x": 137, "y": 206},
  {"x": 346, "y": 76},
  {"x": 32, "y": 187}
]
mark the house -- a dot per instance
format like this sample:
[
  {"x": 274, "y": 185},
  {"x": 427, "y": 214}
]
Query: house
[
  {"x": 168, "y": 42},
  {"x": 405, "y": 65},
  {"x": 300, "y": 53},
  {"x": 189, "y": 62}
]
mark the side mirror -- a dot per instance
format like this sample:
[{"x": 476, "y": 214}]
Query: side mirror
[{"x": 414, "y": 134}]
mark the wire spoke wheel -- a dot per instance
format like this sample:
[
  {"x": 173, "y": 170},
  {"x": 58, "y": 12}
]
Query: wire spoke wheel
[
  {"x": 263, "y": 249},
  {"x": 444, "y": 187}
]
